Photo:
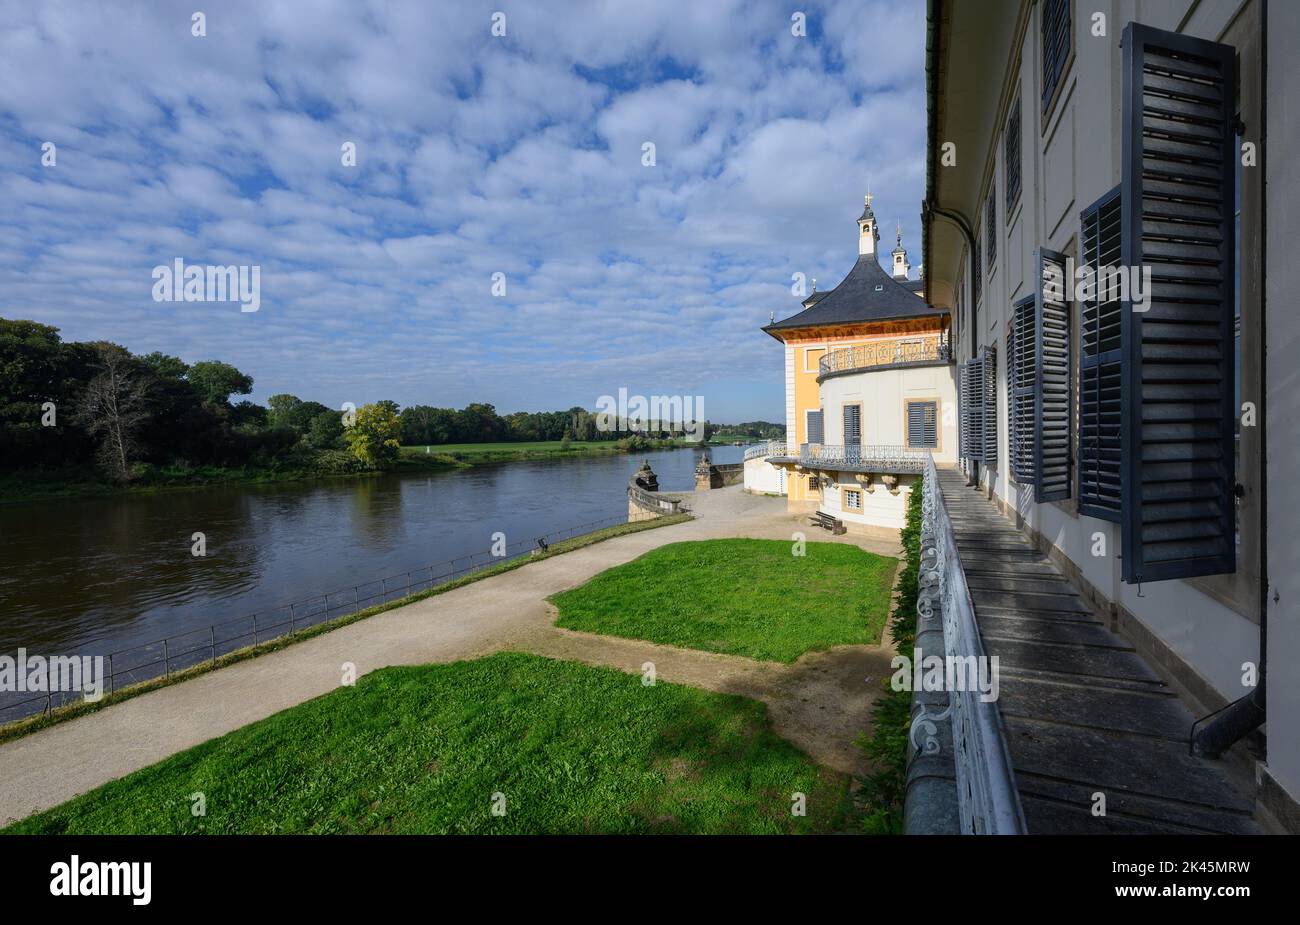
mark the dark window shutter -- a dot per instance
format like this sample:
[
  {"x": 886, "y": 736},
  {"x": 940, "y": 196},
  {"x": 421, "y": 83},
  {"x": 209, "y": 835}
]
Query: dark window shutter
[
  {"x": 1100, "y": 365},
  {"x": 852, "y": 425},
  {"x": 1055, "y": 44},
  {"x": 816, "y": 432},
  {"x": 1012, "y": 154},
  {"x": 977, "y": 276},
  {"x": 989, "y": 400},
  {"x": 991, "y": 225},
  {"x": 963, "y": 412},
  {"x": 1013, "y": 434},
  {"x": 922, "y": 429},
  {"x": 1179, "y": 191},
  {"x": 1052, "y": 379},
  {"x": 1022, "y": 389},
  {"x": 970, "y": 380}
]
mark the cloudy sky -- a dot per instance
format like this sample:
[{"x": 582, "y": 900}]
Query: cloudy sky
[{"x": 476, "y": 154}]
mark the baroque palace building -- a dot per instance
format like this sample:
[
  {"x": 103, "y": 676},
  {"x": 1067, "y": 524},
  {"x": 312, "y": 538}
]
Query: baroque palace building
[{"x": 869, "y": 390}]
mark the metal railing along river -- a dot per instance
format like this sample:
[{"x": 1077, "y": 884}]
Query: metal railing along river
[{"x": 167, "y": 655}]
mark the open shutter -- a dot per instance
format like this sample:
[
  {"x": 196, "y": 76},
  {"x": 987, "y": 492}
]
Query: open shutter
[
  {"x": 1021, "y": 389},
  {"x": 1052, "y": 409},
  {"x": 1100, "y": 365},
  {"x": 1178, "y": 374},
  {"x": 970, "y": 378},
  {"x": 989, "y": 399}
]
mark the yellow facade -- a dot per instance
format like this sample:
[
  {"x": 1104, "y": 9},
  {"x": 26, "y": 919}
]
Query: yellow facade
[{"x": 809, "y": 345}]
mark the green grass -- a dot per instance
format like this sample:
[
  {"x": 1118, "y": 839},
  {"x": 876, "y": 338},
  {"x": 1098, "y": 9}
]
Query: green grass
[
  {"x": 740, "y": 597},
  {"x": 422, "y": 750}
]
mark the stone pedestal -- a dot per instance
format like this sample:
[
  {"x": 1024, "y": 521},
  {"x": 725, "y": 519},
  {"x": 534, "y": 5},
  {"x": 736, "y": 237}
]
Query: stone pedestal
[{"x": 706, "y": 476}]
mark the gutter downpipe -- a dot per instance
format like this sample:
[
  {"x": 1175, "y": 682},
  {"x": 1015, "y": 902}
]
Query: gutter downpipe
[
  {"x": 1248, "y": 713},
  {"x": 928, "y": 208}
]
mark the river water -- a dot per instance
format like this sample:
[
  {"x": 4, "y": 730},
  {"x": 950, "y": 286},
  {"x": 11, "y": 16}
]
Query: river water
[{"x": 108, "y": 575}]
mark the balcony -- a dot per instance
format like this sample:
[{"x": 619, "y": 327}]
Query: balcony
[
  {"x": 886, "y": 355},
  {"x": 855, "y": 458},
  {"x": 770, "y": 448}
]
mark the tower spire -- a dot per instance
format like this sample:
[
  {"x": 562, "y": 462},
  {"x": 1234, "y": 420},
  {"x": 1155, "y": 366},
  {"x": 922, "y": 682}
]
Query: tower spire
[
  {"x": 901, "y": 266},
  {"x": 868, "y": 232}
]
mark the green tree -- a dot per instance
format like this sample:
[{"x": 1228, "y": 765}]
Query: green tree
[
  {"x": 217, "y": 381},
  {"x": 376, "y": 435},
  {"x": 325, "y": 431},
  {"x": 280, "y": 409}
]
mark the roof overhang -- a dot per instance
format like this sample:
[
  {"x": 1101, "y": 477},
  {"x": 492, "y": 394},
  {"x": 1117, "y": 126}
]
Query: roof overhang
[
  {"x": 804, "y": 332},
  {"x": 969, "y": 49}
]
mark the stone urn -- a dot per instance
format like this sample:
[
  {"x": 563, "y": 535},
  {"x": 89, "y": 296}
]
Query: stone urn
[{"x": 646, "y": 478}]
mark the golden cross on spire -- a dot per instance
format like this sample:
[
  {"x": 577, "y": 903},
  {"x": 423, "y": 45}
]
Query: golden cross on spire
[{"x": 868, "y": 197}]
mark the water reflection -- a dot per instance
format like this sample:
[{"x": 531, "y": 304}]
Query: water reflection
[{"x": 101, "y": 575}]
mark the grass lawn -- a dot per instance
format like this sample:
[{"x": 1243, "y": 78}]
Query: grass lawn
[
  {"x": 409, "y": 750},
  {"x": 739, "y": 597}
]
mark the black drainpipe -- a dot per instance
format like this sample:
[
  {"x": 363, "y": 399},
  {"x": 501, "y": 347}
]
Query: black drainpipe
[
  {"x": 1247, "y": 714},
  {"x": 928, "y": 208}
]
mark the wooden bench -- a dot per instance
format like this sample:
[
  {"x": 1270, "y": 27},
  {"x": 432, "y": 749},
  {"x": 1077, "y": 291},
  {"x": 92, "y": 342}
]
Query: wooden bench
[{"x": 822, "y": 519}]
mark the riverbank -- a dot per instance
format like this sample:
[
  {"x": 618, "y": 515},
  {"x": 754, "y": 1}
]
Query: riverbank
[
  {"x": 472, "y": 453},
  {"x": 88, "y": 482},
  {"x": 510, "y": 612},
  {"x": 19, "y": 728}
]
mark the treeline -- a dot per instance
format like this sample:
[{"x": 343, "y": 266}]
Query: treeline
[
  {"x": 65, "y": 405},
  {"x": 480, "y": 423}
]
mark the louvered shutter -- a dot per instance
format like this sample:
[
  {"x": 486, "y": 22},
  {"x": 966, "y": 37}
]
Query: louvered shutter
[
  {"x": 922, "y": 429},
  {"x": 852, "y": 425},
  {"x": 989, "y": 399},
  {"x": 1178, "y": 417},
  {"x": 816, "y": 432},
  {"x": 1100, "y": 365},
  {"x": 963, "y": 412},
  {"x": 970, "y": 378},
  {"x": 1052, "y": 408},
  {"x": 1022, "y": 388}
]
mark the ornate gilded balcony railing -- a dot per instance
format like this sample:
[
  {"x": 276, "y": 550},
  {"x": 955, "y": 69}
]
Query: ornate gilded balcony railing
[
  {"x": 932, "y": 349},
  {"x": 878, "y": 458}
]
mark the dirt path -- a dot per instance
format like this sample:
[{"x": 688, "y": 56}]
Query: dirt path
[{"x": 819, "y": 703}]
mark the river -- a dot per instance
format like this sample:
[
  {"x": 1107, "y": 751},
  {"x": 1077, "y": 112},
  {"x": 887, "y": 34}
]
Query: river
[{"x": 116, "y": 575}]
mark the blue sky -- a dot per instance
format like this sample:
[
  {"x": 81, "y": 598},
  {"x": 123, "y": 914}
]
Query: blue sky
[{"x": 476, "y": 155}]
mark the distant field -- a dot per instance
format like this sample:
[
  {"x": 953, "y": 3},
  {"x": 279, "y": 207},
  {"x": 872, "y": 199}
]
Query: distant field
[{"x": 542, "y": 446}]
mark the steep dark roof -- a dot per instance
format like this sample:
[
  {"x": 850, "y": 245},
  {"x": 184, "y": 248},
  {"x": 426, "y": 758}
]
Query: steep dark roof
[
  {"x": 912, "y": 285},
  {"x": 868, "y": 293}
]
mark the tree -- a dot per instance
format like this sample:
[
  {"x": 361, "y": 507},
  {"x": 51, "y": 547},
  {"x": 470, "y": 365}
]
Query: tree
[
  {"x": 567, "y": 439},
  {"x": 375, "y": 436},
  {"x": 217, "y": 381},
  {"x": 325, "y": 430},
  {"x": 280, "y": 409},
  {"x": 113, "y": 407}
]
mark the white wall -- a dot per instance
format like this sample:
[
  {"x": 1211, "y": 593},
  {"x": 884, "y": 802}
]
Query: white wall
[
  {"x": 762, "y": 476},
  {"x": 883, "y": 394},
  {"x": 1073, "y": 160}
]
